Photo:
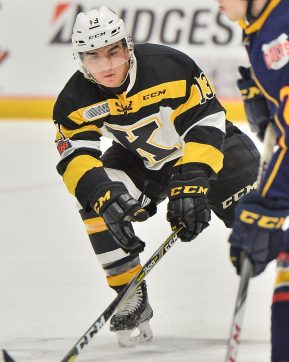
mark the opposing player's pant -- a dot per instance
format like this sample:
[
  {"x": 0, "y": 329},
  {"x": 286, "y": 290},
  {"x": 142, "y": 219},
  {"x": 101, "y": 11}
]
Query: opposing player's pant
[
  {"x": 237, "y": 178},
  {"x": 280, "y": 307}
]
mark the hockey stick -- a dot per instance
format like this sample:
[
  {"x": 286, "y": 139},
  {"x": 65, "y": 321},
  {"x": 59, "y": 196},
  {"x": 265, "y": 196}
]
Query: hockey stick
[
  {"x": 247, "y": 269},
  {"x": 120, "y": 298},
  {"x": 6, "y": 357}
]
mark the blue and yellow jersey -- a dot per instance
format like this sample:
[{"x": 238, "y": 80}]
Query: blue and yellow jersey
[{"x": 267, "y": 43}]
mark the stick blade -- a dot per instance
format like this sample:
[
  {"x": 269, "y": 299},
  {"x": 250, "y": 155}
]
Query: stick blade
[{"x": 6, "y": 357}]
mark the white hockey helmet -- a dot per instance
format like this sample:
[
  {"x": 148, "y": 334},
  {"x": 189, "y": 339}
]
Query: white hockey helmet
[{"x": 95, "y": 29}]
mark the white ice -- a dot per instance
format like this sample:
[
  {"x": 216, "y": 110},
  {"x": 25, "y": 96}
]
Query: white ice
[{"x": 52, "y": 288}]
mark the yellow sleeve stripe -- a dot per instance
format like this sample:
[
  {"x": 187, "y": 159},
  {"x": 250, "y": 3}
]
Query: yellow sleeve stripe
[
  {"x": 95, "y": 225},
  {"x": 193, "y": 101},
  {"x": 204, "y": 86},
  {"x": 77, "y": 168},
  {"x": 207, "y": 154},
  {"x": 123, "y": 278},
  {"x": 69, "y": 133},
  {"x": 78, "y": 116}
]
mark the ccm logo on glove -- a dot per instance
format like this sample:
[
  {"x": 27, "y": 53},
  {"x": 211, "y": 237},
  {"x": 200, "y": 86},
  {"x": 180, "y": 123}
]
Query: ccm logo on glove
[
  {"x": 266, "y": 222},
  {"x": 100, "y": 202},
  {"x": 189, "y": 190},
  {"x": 250, "y": 93},
  {"x": 188, "y": 205}
]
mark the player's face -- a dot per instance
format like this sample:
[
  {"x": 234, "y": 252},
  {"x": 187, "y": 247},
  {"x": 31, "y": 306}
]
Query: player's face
[
  {"x": 233, "y": 9},
  {"x": 108, "y": 65}
]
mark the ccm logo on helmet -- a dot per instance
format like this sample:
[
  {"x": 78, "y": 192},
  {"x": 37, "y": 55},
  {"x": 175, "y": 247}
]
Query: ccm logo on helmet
[
  {"x": 96, "y": 35},
  {"x": 189, "y": 190},
  {"x": 263, "y": 221}
]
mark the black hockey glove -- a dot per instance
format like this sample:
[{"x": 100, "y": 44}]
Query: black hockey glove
[
  {"x": 118, "y": 209},
  {"x": 255, "y": 103},
  {"x": 188, "y": 204},
  {"x": 257, "y": 231}
]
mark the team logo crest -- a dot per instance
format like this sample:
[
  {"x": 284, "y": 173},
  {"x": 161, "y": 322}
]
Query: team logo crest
[{"x": 276, "y": 53}]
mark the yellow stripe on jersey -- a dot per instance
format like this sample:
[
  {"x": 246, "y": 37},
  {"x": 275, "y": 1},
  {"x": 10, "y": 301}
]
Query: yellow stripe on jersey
[
  {"x": 267, "y": 95},
  {"x": 123, "y": 278},
  {"x": 258, "y": 23},
  {"x": 90, "y": 113},
  {"x": 193, "y": 101},
  {"x": 77, "y": 168},
  {"x": 69, "y": 133},
  {"x": 199, "y": 94},
  {"x": 207, "y": 154},
  {"x": 95, "y": 225},
  {"x": 281, "y": 140},
  {"x": 169, "y": 90}
]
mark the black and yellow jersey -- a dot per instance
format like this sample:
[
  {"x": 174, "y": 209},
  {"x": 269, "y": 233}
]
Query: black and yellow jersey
[{"x": 167, "y": 115}]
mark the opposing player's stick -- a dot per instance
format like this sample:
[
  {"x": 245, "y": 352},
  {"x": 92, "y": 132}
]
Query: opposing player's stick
[
  {"x": 6, "y": 357},
  {"x": 119, "y": 299},
  {"x": 247, "y": 269}
]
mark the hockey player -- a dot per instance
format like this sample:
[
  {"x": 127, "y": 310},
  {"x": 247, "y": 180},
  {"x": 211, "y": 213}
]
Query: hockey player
[
  {"x": 170, "y": 139},
  {"x": 260, "y": 229}
]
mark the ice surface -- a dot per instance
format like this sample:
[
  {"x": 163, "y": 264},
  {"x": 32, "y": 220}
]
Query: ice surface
[{"x": 52, "y": 288}]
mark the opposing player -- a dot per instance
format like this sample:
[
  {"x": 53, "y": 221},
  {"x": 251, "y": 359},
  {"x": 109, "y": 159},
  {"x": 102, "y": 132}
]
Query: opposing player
[
  {"x": 260, "y": 229},
  {"x": 170, "y": 139}
]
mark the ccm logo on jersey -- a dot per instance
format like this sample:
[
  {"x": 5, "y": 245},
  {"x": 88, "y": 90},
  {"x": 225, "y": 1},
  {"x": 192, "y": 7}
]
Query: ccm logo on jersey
[
  {"x": 263, "y": 221},
  {"x": 100, "y": 202},
  {"x": 276, "y": 53},
  {"x": 189, "y": 190},
  {"x": 154, "y": 94}
]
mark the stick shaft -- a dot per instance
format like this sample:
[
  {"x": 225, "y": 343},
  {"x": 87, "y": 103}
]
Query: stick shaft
[
  {"x": 121, "y": 297},
  {"x": 247, "y": 269}
]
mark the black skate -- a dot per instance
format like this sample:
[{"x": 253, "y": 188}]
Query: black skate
[{"x": 131, "y": 321}]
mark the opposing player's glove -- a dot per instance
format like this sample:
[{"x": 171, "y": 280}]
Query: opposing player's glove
[
  {"x": 188, "y": 204},
  {"x": 118, "y": 209},
  {"x": 257, "y": 231},
  {"x": 255, "y": 103}
]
